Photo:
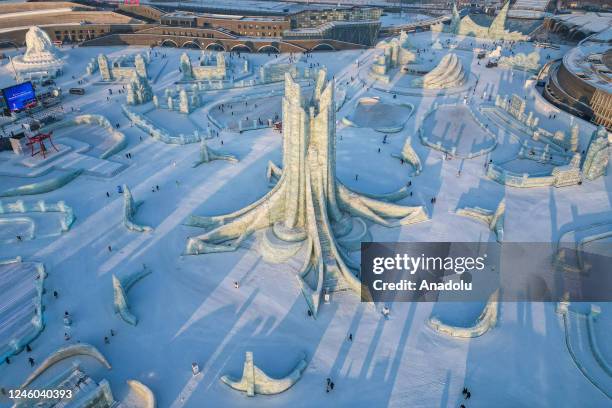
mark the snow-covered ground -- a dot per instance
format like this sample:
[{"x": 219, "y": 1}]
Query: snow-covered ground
[{"x": 189, "y": 310}]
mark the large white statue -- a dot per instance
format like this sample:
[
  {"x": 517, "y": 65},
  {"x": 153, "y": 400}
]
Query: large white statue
[
  {"x": 308, "y": 205},
  {"x": 40, "y": 53},
  {"x": 38, "y": 45}
]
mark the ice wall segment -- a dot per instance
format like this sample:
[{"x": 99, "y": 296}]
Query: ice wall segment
[
  {"x": 129, "y": 210},
  {"x": 121, "y": 287},
  {"x": 21, "y": 289}
]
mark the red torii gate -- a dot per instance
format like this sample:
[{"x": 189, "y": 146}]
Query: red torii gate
[{"x": 40, "y": 140}]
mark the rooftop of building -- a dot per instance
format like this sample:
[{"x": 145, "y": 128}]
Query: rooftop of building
[
  {"x": 591, "y": 61},
  {"x": 588, "y": 22},
  {"x": 188, "y": 14},
  {"x": 250, "y": 6}
]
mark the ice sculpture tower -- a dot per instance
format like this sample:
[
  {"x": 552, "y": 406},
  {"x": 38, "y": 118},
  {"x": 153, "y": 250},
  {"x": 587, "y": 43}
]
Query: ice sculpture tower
[
  {"x": 308, "y": 205},
  {"x": 597, "y": 156},
  {"x": 40, "y": 55}
]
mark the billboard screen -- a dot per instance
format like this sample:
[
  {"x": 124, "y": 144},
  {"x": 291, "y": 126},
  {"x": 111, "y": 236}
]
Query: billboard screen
[{"x": 18, "y": 96}]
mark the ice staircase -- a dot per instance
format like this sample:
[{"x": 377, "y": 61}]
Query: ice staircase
[
  {"x": 76, "y": 155},
  {"x": 334, "y": 282}
]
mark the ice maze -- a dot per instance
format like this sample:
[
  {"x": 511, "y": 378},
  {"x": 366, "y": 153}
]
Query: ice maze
[{"x": 307, "y": 205}]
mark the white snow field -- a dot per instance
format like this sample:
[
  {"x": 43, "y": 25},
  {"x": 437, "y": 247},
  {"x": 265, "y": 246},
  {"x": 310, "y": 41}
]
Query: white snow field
[{"x": 188, "y": 308}]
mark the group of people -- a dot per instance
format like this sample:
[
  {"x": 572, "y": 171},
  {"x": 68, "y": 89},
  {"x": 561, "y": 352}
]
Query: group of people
[
  {"x": 330, "y": 385},
  {"x": 467, "y": 395},
  {"x": 7, "y": 360}
]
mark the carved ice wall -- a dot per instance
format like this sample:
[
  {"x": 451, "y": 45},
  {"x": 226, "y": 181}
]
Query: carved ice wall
[
  {"x": 121, "y": 287},
  {"x": 526, "y": 62},
  {"x": 410, "y": 156},
  {"x": 209, "y": 67},
  {"x": 129, "y": 210},
  {"x": 123, "y": 67},
  {"x": 138, "y": 90}
]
